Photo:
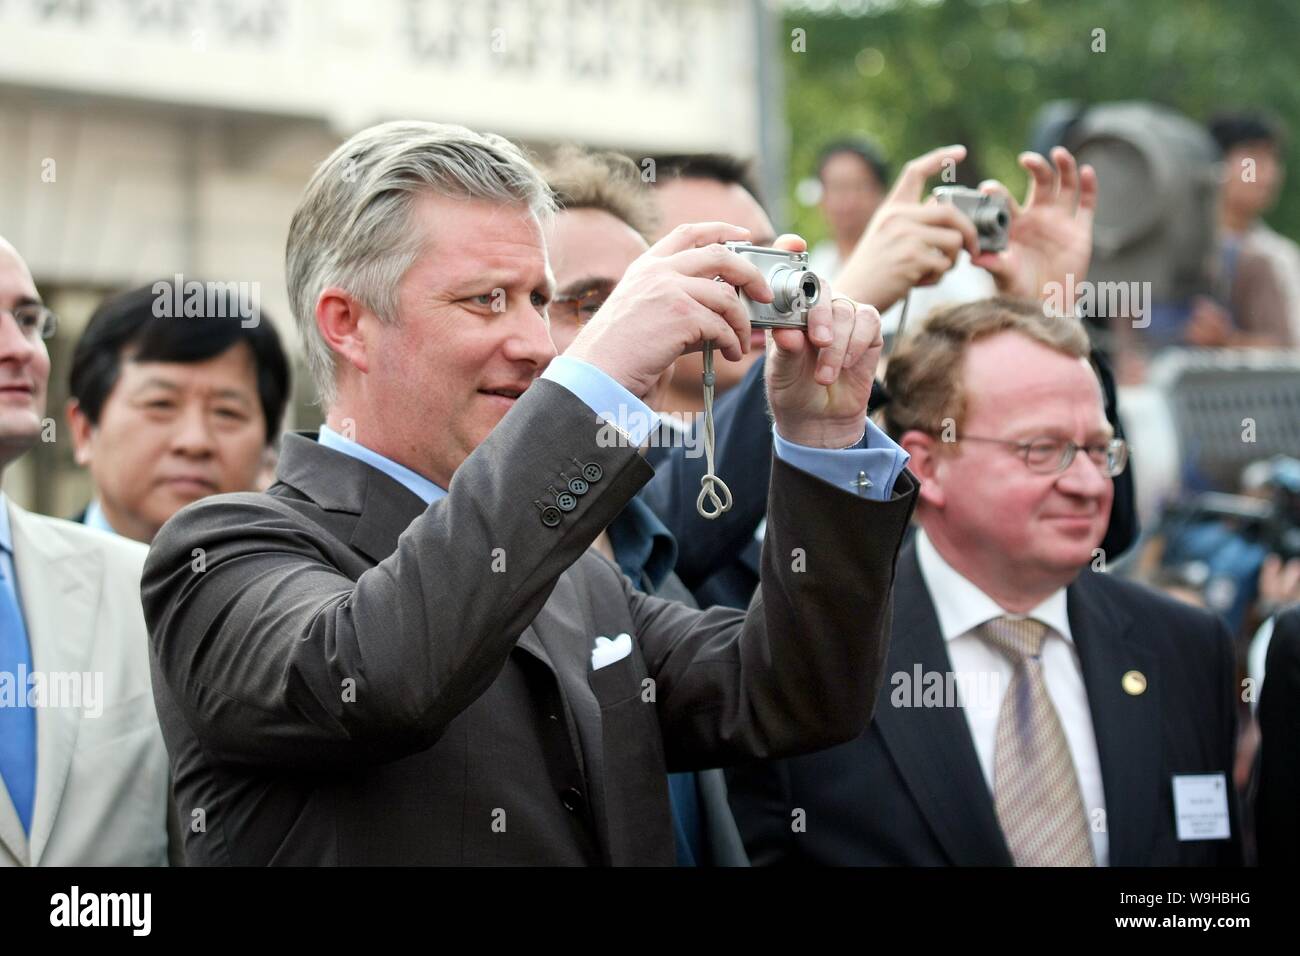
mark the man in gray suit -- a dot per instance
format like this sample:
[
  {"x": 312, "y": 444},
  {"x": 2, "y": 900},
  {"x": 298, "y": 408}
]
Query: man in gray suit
[{"x": 405, "y": 651}]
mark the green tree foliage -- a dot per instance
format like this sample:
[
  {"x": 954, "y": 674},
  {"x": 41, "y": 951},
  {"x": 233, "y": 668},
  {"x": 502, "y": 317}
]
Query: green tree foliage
[{"x": 915, "y": 74}]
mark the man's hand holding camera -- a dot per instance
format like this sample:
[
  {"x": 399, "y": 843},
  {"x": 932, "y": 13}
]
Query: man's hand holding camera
[
  {"x": 683, "y": 293},
  {"x": 669, "y": 302},
  {"x": 819, "y": 382}
]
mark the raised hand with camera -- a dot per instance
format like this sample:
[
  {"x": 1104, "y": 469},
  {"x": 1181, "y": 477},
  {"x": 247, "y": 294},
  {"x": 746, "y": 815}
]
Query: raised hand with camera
[
  {"x": 909, "y": 242},
  {"x": 1050, "y": 238},
  {"x": 669, "y": 303},
  {"x": 689, "y": 289},
  {"x": 818, "y": 383}
]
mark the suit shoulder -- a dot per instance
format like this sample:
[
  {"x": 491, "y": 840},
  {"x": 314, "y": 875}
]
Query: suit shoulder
[
  {"x": 1156, "y": 611},
  {"x": 230, "y": 509},
  {"x": 120, "y": 553}
]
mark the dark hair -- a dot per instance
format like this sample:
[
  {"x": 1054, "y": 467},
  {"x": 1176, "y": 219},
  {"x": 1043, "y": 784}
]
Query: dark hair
[
  {"x": 719, "y": 167},
  {"x": 1233, "y": 129},
  {"x": 864, "y": 149},
  {"x": 128, "y": 325}
]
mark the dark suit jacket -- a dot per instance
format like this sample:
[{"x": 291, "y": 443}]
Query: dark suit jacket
[
  {"x": 342, "y": 677},
  {"x": 1277, "y": 804},
  {"x": 909, "y": 791}
]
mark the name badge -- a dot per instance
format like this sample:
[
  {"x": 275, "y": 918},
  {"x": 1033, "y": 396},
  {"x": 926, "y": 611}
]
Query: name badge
[{"x": 1201, "y": 806}]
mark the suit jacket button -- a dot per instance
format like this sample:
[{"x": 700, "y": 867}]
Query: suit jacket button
[
  {"x": 550, "y": 516},
  {"x": 566, "y": 501},
  {"x": 572, "y": 799},
  {"x": 592, "y": 472},
  {"x": 578, "y": 486}
]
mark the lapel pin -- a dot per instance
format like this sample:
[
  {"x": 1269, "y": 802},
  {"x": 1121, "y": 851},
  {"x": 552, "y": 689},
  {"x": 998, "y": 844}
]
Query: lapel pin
[{"x": 1134, "y": 683}]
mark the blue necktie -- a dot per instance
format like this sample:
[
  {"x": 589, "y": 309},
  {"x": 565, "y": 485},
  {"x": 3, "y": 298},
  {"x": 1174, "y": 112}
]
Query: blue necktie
[{"x": 17, "y": 720}]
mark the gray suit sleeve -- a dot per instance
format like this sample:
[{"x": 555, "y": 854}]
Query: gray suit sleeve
[
  {"x": 802, "y": 670},
  {"x": 278, "y": 659}
]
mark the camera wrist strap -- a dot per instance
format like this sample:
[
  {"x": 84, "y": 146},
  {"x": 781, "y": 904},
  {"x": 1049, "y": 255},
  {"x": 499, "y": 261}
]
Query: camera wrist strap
[{"x": 715, "y": 496}]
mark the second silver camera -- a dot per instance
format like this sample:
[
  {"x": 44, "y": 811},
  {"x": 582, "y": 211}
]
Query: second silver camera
[{"x": 988, "y": 213}]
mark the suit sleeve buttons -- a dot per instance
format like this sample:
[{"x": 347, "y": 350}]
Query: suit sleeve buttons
[{"x": 550, "y": 514}]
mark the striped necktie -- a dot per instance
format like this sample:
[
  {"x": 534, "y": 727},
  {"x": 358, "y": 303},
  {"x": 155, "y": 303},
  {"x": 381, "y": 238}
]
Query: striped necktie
[{"x": 1035, "y": 787}]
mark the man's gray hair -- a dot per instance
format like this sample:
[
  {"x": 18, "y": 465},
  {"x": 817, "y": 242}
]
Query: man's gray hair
[{"x": 352, "y": 227}]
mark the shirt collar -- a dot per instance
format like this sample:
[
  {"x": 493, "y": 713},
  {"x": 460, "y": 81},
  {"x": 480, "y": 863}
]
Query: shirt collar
[
  {"x": 6, "y": 533},
  {"x": 642, "y": 545},
  {"x": 95, "y": 517},
  {"x": 962, "y": 607},
  {"x": 417, "y": 484}
]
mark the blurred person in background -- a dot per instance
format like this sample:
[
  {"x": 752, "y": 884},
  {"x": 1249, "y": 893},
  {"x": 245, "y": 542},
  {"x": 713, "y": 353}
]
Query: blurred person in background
[
  {"x": 166, "y": 409},
  {"x": 1258, "y": 270},
  {"x": 854, "y": 178}
]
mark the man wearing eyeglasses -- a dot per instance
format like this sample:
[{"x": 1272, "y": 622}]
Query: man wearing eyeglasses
[
  {"x": 1035, "y": 711},
  {"x": 83, "y": 770}
]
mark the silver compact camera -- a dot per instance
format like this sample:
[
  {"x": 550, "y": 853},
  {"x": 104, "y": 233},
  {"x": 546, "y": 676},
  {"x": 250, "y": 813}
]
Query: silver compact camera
[
  {"x": 794, "y": 288},
  {"x": 988, "y": 213}
]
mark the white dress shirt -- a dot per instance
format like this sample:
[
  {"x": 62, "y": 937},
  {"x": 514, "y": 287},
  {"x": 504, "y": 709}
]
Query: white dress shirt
[
  {"x": 964, "y": 282},
  {"x": 961, "y": 608}
]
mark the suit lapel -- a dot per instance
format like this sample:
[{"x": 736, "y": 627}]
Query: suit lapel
[
  {"x": 1127, "y": 726},
  {"x": 60, "y": 594},
  {"x": 385, "y": 508},
  {"x": 932, "y": 746}
]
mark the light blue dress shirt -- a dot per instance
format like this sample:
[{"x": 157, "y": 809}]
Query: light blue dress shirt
[
  {"x": 869, "y": 468},
  {"x": 95, "y": 517}
]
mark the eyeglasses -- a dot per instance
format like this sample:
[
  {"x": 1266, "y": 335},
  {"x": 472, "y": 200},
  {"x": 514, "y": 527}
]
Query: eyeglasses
[
  {"x": 1051, "y": 456},
  {"x": 34, "y": 320},
  {"x": 579, "y": 308}
]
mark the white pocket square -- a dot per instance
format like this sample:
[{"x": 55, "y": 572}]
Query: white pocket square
[{"x": 607, "y": 651}]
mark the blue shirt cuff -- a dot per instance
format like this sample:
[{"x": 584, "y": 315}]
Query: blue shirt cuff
[
  {"x": 604, "y": 396},
  {"x": 869, "y": 468}
]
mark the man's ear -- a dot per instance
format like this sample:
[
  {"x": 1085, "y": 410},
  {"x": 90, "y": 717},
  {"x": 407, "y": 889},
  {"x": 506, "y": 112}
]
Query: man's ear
[
  {"x": 925, "y": 464},
  {"x": 338, "y": 317},
  {"x": 82, "y": 429}
]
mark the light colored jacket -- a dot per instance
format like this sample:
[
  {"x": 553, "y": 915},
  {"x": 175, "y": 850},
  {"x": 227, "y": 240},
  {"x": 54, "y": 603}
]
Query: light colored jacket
[{"x": 101, "y": 768}]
